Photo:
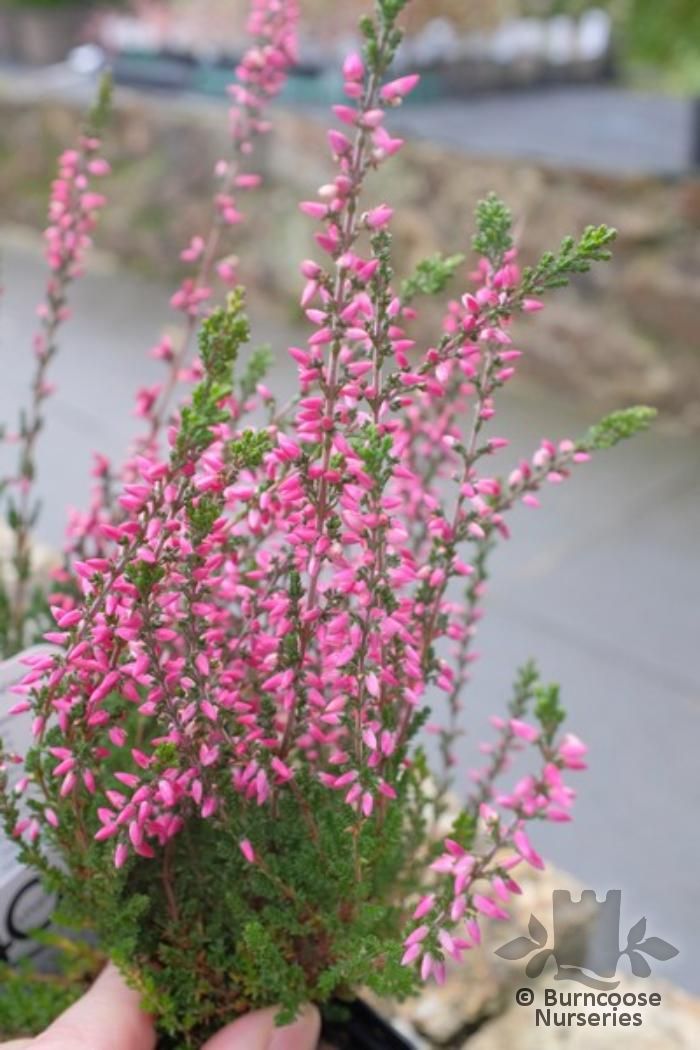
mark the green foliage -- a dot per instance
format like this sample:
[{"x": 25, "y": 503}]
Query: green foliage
[
  {"x": 555, "y": 268},
  {"x": 102, "y": 106},
  {"x": 619, "y": 426},
  {"x": 31, "y": 998},
  {"x": 526, "y": 683},
  {"x": 29, "y": 1004},
  {"x": 249, "y": 449},
  {"x": 204, "y": 936},
  {"x": 464, "y": 829},
  {"x": 548, "y": 710},
  {"x": 24, "y": 611},
  {"x": 374, "y": 449},
  {"x": 651, "y": 35},
  {"x": 202, "y": 933},
  {"x": 494, "y": 222},
  {"x": 221, "y": 336},
  {"x": 35, "y": 621},
  {"x": 5, "y": 622},
  {"x": 382, "y": 38},
  {"x": 255, "y": 371},
  {"x": 201, "y": 514},
  {"x": 431, "y": 276},
  {"x": 666, "y": 36},
  {"x": 391, "y": 9},
  {"x": 318, "y": 915},
  {"x": 144, "y": 576}
]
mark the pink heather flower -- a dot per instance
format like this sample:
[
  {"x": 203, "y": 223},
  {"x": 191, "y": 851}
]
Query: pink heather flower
[
  {"x": 247, "y": 850},
  {"x": 339, "y": 143},
  {"x": 379, "y": 217},
  {"x": 396, "y": 90},
  {"x": 346, "y": 114},
  {"x": 281, "y": 769},
  {"x": 417, "y": 936},
  {"x": 474, "y": 931},
  {"x": 458, "y": 908},
  {"x": 120, "y": 855},
  {"x": 500, "y": 888},
  {"x": 194, "y": 250},
  {"x": 372, "y": 118},
  {"x": 20, "y": 708},
  {"x": 557, "y": 816},
  {"x": 526, "y": 850},
  {"x": 571, "y": 752},
  {"x": 320, "y": 598},
  {"x": 411, "y": 954},
  {"x": 448, "y": 945},
  {"x": 523, "y": 730},
  {"x": 384, "y": 145},
  {"x": 489, "y": 907},
  {"x": 315, "y": 209},
  {"x": 425, "y": 905},
  {"x": 353, "y": 67}
]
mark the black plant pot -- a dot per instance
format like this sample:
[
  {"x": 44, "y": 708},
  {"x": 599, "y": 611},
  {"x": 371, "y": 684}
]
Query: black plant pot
[
  {"x": 353, "y": 1026},
  {"x": 361, "y": 1029}
]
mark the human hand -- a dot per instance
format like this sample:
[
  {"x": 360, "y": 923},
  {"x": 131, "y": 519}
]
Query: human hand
[{"x": 108, "y": 1018}]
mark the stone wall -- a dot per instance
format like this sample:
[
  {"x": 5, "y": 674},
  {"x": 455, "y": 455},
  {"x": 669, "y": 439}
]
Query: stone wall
[
  {"x": 476, "y": 1009},
  {"x": 332, "y": 19},
  {"x": 626, "y": 332}
]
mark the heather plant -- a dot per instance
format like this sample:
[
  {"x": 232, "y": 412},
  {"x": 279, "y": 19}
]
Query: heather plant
[
  {"x": 73, "y": 214},
  {"x": 228, "y": 780}
]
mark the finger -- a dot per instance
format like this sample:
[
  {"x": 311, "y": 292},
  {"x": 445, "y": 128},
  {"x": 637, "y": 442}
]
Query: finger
[
  {"x": 17, "y": 1044},
  {"x": 108, "y": 1017},
  {"x": 257, "y": 1031}
]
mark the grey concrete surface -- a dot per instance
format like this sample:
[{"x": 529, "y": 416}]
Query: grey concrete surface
[
  {"x": 599, "y": 128},
  {"x": 609, "y": 130},
  {"x": 602, "y": 585}
]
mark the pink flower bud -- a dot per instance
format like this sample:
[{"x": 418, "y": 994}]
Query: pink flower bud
[
  {"x": 339, "y": 143},
  {"x": 247, "y": 850},
  {"x": 315, "y": 209},
  {"x": 571, "y": 751},
  {"x": 425, "y": 905},
  {"x": 396, "y": 90},
  {"x": 526, "y": 850},
  {"x": 417, "y": 936},
  {"x": 353, "y": 67},
  {"x": 523, "y": 730},
  {"x": 379, "y": 217}
]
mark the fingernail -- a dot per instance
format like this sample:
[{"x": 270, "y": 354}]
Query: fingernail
[{"x": 301, "y": 1035}]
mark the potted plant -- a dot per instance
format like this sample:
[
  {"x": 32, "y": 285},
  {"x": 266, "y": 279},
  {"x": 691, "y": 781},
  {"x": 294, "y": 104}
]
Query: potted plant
[{"x": 227, "y": 781}]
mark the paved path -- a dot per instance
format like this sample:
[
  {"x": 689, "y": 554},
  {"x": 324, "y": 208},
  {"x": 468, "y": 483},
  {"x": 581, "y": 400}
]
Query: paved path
[
  {"x": 604, "y": 129},
  {"x": 602, "y": 586}
]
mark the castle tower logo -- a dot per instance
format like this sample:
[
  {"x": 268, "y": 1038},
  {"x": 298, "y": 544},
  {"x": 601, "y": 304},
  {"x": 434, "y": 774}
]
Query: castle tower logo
[{"x": 570, "y": 954}]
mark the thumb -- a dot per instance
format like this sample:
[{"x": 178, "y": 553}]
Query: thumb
[
  {"x": 108, "y": 1017},
  {"x": 257, "y": 1031}
]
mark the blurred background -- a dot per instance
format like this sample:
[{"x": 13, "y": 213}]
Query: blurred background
[{"x": 573, "y": 113}]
